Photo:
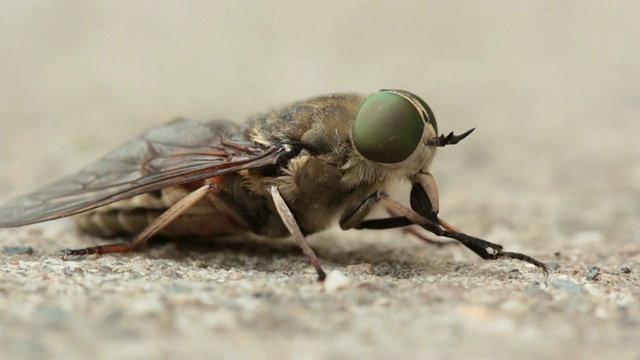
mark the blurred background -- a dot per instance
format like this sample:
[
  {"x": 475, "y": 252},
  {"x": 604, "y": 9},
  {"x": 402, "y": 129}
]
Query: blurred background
[{"x": 551, "y": 86}]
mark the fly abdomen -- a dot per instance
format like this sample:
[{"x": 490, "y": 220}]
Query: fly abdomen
[
  {"x": 116, "y": 222},
  {"x": 208, "y": 218}
]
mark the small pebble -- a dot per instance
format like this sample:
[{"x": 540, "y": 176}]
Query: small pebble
[
  {"x": 364, "y": 268},
  {"x": 336, "y": 281},
  {"x": 593, "y": 272},
  {"x": 624, "y": 270}
]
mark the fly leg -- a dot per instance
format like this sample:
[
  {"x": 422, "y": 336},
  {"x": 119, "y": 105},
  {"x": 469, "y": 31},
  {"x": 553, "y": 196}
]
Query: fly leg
[
  {"x": 290, "y": 222},
  {"x": 417, "y": 233},
  {"x": 354, "y": 219},
  {"x": 483, "y": 248},
  {"x": 153, "y": 228},
  {"x": 354, "y": 216},
  {"x": 424, "y": 212}
]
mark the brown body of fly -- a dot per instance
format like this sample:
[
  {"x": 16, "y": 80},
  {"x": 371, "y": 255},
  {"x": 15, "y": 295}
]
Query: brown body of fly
[{"x": 291, "y": 171}]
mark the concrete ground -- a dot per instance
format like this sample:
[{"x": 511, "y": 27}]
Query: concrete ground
[{"x": 553, "y": 170}]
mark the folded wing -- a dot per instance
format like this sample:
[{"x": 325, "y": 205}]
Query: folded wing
[{"x": 176, "y": 153}]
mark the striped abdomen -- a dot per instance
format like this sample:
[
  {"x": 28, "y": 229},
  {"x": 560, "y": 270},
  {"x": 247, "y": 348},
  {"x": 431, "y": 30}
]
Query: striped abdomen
[{"x": 209, "y": 217}]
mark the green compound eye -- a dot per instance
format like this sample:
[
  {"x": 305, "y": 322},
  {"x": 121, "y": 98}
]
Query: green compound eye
[
  {"x": 430, "y": 117},
  {"x": 389, "y": 127}
]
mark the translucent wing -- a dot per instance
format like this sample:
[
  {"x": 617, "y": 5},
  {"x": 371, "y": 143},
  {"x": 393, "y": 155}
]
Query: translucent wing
[{"x": 171, "y": 154}]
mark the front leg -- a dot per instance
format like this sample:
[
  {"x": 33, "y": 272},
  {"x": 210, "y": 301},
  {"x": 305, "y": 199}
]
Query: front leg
[
  {"x": 424, "y": 200},
  {"x": 424, "y": 212},
  {"x": 353, "y": 219},
  {"x": 424, "y": 187},
  {"x": 483, "y": 248}
]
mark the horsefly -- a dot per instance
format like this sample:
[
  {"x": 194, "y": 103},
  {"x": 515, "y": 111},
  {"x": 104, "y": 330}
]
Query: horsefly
[{"x": 291, "y": 171}]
